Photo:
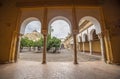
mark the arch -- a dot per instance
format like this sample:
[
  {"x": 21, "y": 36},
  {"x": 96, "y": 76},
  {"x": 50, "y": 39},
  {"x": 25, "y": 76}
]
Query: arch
[
  {"x": 60, "y": 18},
  {"x": 94, "y": 21},
  {"x": 91, "y": 34},
  {"x": 25, "y": 22},
  {"x": 79, "y": 38},
  {"x": 95, "y": 36},
  {"x": 84, "y": 37}
]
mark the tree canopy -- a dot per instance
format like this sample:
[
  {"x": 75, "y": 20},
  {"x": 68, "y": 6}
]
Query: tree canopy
[
  {"x": 25, "y": 42},
  {"x": 51, "y": 42}
]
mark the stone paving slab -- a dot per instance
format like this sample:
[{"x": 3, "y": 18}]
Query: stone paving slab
[{"x": 59, "y": 70}]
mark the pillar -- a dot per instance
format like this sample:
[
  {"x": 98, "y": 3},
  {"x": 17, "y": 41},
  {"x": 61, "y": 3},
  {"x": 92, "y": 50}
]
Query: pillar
[
  {"x": 75, "y": 32},
  {"x": 44, "y": 32},
  {"x": 75, "y": 49},
  {"x": 44, "y": 48},
  {"x": 79, "y": 46},
  {"x": 90, "y": 45},
  {"x": 13, "y": 50},
  {"x": 102, "y": 46},
  {"x": 83, "y": 47},
  {"x": 18, "y": 48}
]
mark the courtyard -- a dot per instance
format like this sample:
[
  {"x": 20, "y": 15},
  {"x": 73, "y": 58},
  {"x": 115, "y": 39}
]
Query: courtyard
[
  {"x": 65, "y": 55},
  {"x": 59, "y": 66}
]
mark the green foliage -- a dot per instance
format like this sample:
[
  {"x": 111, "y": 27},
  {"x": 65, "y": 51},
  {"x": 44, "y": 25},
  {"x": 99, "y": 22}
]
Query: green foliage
[
  {"x": 30, "y": 43},
  {"x": 25, "y": 42},
  {"x": 53, "y": 42},
  {"x": 38, "y": 43}
]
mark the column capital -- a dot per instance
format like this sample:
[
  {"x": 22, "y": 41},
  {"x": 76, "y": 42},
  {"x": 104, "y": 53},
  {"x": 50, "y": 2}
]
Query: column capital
[
  {"x": 21, "y": 34},
  {"x": 100, "y": 35},
  {"x": 17, "y": 33},
  {"x": 75, "y": 32},
  {"x": 44, "y": 32}
]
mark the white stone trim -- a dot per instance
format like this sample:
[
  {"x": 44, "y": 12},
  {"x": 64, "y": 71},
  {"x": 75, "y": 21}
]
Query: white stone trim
[{"x": 25, "y": 22}]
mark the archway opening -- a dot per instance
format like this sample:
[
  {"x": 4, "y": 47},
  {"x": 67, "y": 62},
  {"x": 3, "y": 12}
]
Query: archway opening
[
  {"x": 59, "y": 32},
  {"x": 31, "y": 40},
  {"x": 96, "y": 44},
  {"x": 86, "y": 43},
  {"x": 90, "y": 47}
]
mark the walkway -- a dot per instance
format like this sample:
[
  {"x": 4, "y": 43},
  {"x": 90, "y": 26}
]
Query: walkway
[{"x": 59, "y": 70}]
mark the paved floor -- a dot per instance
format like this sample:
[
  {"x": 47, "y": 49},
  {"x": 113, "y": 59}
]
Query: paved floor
[
  {"x": 59, "y": 70},
  {"x": 64, "y": 56}
]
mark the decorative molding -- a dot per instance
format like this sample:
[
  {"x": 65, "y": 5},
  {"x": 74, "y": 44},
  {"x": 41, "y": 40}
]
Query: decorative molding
[{"x": 51, "y": 3}]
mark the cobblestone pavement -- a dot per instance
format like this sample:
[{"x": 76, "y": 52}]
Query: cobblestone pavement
[
  {"x": 59, "y": 70},
  {"x": 64, "y": 56}
]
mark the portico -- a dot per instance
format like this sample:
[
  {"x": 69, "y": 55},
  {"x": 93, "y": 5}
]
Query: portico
[{"x": 80, "y": 16}]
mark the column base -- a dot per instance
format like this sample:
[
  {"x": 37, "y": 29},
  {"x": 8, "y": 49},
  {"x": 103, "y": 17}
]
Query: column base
[
  {"x": 103, "y": 60},
  {"x": 108, "y": 62},
  {"x": 83, "y": 52},
  {"x": 90, "y": 54},
  {"x": 75, "y": 62},
  {"x": 44, "y": 62},
  {"x": 12, "y": 61}
]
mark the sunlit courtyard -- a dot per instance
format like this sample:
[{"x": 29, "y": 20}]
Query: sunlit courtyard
[{"x": 64, "y": 55}]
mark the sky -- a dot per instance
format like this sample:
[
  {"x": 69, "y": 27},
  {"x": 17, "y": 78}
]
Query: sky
[
  {"x": 34, "y": 25},
  {"x": 60, "y": 28}
]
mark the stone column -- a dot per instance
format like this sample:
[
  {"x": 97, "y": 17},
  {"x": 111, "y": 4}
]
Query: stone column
[
  {"x": 44, "y": 32},
  {"x": 83, "y": 48},
  {"x": 75, "y": 32},
  {"x": 44, "y": 48},
  {"x": 16, "y": 49},
  {"x": 19, "y": 48},
  {"x": 79, "y": 46},
  {"x": 75, "y": 49},
  {"x": 102, "y": 46},
  {"x": 90, "y": 45}
]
